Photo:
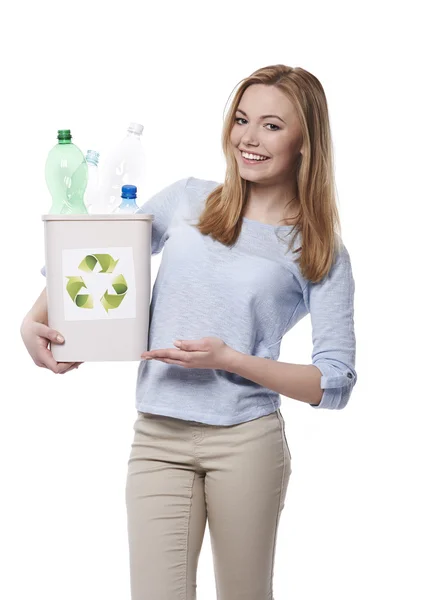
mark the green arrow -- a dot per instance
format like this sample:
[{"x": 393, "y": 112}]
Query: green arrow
[
  {"x": 110, "y": 301},
  {"x": 107, "y": 263},
  {"x": 73, "y": 287}
]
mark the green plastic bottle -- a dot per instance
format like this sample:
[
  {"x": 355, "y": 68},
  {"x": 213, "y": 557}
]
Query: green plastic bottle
[{"x": 66, "y": 174}]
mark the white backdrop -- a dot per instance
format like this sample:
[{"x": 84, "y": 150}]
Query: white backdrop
[{"x": 355, "y": 521}]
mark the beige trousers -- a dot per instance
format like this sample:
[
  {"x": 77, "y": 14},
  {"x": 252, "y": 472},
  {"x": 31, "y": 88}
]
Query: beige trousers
[{"x": 182, "y": 474}]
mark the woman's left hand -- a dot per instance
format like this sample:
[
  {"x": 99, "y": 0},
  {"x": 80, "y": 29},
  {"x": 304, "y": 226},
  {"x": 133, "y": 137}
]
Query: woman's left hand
[{"x": 206, "y": 353}]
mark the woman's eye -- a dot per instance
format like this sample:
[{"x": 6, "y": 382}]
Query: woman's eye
[{"x": 272, "y": 124}]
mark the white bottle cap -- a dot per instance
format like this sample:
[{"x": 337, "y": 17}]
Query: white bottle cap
[{"x": 136, "y": 128}]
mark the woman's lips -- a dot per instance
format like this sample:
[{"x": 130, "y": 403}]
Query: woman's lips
[{"x": 253, "y": 162}]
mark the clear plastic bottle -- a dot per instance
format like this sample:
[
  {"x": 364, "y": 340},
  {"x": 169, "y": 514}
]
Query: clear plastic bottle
[
  {"x": 128, "y": 204},
  {"x": 92, "y": 195},
  {"x": 66, "y": 175},
  {"x": 125, "y": 165}
]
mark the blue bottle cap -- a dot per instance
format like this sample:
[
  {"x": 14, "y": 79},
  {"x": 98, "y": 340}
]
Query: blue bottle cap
[{"x": 129, "y": 192}]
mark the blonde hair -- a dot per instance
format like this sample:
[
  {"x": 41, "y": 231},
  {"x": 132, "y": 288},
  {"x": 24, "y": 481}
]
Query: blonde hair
[{"x": 318, "y": 215}]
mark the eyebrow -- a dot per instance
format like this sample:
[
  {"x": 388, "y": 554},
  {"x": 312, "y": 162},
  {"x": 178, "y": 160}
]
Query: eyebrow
[{"x": 263, "y": 116}]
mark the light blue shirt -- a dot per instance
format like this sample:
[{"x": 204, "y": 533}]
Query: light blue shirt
[{"x": 249, "y": 295}]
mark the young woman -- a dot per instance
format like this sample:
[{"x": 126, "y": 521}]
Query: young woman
[{"x": 243, "y": 262}]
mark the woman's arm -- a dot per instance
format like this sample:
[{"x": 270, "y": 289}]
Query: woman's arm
[
  {"x": 299, "y": 382},
  {"x": 331, "y": 307},
  {"x": 39, "y": 311},
  {"x": 328, "y": 382}
]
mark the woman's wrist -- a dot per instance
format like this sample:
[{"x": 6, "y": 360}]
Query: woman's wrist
[
  {"x": 30, "y": 317},
  {"x": 39, "y": 310}
]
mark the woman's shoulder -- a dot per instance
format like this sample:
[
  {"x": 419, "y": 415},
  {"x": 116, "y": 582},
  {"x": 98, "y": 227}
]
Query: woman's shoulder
[
  {"x": 195, "y": 195},
  {"x": 202, "y": 186}
]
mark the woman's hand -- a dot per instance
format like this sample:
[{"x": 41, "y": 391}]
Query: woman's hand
[
  {"x": 36, "y": 337},
  {"x": 206, "y": 353}
]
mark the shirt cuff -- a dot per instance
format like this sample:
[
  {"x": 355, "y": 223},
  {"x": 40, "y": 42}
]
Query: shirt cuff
[{"x": 337, "y": 384}]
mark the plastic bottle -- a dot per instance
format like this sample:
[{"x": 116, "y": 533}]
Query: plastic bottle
[
  {"x": 92, "y": 194},
  {"x": 125, "y": 165},
  {"x": 66, "y": 175},
  {"x": 128, "y": 204}
]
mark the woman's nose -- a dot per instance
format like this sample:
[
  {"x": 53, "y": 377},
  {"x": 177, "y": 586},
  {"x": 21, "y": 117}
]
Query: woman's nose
[
  {"x": 249, "y": 140},
  {"x": 249, "y": 137},
  {"x": 249, "y": 146}
]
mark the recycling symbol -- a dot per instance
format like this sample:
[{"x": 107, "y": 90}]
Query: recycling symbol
[{"x": 76, "y": 283}]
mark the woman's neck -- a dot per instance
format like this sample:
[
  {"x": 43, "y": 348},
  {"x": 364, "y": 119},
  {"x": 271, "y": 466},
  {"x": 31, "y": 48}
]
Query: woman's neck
[{"x": 272, "y": 205}]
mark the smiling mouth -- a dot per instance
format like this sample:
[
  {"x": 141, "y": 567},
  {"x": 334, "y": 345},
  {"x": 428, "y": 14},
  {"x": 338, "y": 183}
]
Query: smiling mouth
[{"x": 254, "y": 161}]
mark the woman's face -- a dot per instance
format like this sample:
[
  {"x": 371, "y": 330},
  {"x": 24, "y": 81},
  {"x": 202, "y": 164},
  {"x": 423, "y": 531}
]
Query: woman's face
[{"x": 279, "y": 139}]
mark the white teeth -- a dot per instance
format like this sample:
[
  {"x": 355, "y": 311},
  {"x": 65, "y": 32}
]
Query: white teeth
[{"x": 253, "y": 156}]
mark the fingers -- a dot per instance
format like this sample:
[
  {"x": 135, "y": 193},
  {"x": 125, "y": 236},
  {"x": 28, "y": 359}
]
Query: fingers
[
  {"x": 46, "y": 355},
  {"x": 68, "y": 367},
  {"x": 48, "y": 360},
  {"x": 48, "y": 333},
  {"x": 62, "y": 368},
  {"x": 50, "y": 363},
  {"x": 43, "y": 357}
]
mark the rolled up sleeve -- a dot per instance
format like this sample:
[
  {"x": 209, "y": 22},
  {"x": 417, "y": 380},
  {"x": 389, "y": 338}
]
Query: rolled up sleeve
[{"x": 331, "y": 307}]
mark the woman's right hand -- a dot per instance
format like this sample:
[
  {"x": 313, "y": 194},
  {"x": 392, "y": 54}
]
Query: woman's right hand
[{"x": 36, "y": 337}]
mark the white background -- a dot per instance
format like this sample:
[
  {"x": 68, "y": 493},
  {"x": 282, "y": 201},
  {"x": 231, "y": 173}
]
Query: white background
[{"x": 355, "y": 522}]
